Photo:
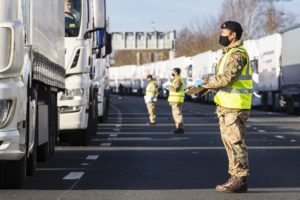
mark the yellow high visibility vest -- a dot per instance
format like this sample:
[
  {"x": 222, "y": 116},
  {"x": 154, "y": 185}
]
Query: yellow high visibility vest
[
  {"x": 177, "y": 97},
  {"x": 239, "y": 94},
  {"x": 148, "y": 91}
]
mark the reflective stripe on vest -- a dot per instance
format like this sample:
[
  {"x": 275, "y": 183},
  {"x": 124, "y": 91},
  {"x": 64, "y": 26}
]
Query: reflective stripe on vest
[
  {"x": 177, "y": 97},
  {"x": 239, "y": 94},
  {"x": 148, "y": 91}
]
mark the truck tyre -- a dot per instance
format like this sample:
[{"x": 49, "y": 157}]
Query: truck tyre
[
  {"x": 290, "y": 105},
  {"x": 13, "y": 174},
  {"x": 95, "y": 113},
  {"x": 80, "y": 138},
  {"x": 63, "y": 137},
  {"x": 43, "y": 152}
]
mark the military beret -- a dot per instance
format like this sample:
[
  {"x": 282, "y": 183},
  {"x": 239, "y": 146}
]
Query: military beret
[{"x": 233, "y": 26}]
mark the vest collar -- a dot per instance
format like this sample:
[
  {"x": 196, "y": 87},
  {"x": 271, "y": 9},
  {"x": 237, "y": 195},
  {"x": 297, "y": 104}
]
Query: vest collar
[{"x": 236, "y": 44}]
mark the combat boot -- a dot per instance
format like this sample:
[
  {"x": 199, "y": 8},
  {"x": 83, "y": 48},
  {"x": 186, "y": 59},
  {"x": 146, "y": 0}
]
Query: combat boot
[
  {"x": 228, "y": 182},
  {"x": 179, "y": 131},
  {"x": 234, "y": 185}
]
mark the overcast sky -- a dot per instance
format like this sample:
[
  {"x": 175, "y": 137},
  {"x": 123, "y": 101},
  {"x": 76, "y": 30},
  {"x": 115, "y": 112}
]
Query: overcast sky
[{"x": 137, "y": 15}]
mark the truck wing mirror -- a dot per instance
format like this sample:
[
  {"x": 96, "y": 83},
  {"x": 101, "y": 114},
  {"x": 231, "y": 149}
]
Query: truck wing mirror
[
  {"x": 108, "y": 47},
  {"x": 99, "y": 13}
]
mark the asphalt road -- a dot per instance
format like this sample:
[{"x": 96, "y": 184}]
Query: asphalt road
[{"x": 132, "y": 161}]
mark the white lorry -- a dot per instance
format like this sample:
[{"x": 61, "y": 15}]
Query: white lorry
[
  {"x": 78, "y": 104},
  {"x": 101, "y": 74},
  {"x": 31, "y": 74},
  {"x": 290, "y": 69}
]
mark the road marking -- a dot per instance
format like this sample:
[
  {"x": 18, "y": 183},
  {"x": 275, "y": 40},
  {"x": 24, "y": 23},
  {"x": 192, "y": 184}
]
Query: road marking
[
  {"x": 293, "y": 140},
  {"x": 159, "y": 124},
  {"x": 59, "y": 169},
  {"x": 190, "y": 132},
  {"x": 118, "y": 125},
  {"x": 262, "y": 131},
  {"x": 279, "y": 136},
  {"x": 147, "y": 139},
  {"x": 84, "y": 164},
  {"x": 106, "y": 144},
  {"x": 113, "y": 135},
  {"x": 92, "y": 157},
  {"x": 254, "y": 128},
  {"x": 96, "y": 149},
  {"x": 73, "y": 176},
  {"x": 116, "y": 130}
]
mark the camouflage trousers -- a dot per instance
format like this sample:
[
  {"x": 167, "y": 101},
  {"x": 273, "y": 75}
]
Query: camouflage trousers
[
  {"x": 177, "y": 114},
  {"x": 151, "y": 112},
  {"x": 233, "y": 130}
]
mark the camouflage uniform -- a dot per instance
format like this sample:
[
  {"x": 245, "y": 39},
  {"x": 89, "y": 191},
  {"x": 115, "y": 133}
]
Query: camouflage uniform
[
  {"x": 232, "y": 121},
  {"x": 152, "y": 89},
  {"x": 176, "y": 107}
]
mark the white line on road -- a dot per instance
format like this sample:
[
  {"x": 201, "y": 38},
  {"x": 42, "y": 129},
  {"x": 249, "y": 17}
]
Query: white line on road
[
  {"x": 279, "y": 136},
  {"x": 84, "y": 164},
  {"x": 293, "y": 140},
  {"x": 59, "y": 169},
  {"x": 176, "y": 148},
  {"x": 262, "y": 131},
  {"x": 92, "y": 157},
  {"x": 116, "y": 130},
  {"x": 113, "y": 135},
  {"x": 106, "y": 144},
  {"x": 73, "y": 176}
]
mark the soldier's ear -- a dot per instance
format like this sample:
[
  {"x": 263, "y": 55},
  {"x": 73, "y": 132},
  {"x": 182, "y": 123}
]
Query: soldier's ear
[{"x": 233, "y": 35}]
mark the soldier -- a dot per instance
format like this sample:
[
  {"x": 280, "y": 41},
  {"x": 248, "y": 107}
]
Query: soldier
[
  {"x": 233, "y": 81},
  {"x": 151, "y": 99},
  {"x": 176, "y": 99}
]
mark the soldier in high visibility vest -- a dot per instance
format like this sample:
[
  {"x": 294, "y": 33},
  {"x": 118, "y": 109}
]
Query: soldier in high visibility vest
[
  {"x": 176, "y": 99},
  {"x": 233, "y": 82},
  {"x": 151, "y": 99}
]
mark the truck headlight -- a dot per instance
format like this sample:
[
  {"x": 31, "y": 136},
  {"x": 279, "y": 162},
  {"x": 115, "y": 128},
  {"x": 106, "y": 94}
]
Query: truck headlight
[
  {"x": 5, "y": 47},
  {"x": 74, "y": 94},
  {"x": 5, "y": 111}
]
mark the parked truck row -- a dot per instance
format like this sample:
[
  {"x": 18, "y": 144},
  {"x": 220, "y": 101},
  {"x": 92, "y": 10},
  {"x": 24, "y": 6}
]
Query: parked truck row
[
  {"x": 53, "y": 78},
  {"x": 276, "y": 65}
]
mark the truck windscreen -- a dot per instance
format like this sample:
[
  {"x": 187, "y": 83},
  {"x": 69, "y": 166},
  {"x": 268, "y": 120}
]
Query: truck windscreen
[{"x": 72, "y": 17}]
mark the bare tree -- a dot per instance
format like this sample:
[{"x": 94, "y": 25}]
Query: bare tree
[{"x": 258, "y": 18}]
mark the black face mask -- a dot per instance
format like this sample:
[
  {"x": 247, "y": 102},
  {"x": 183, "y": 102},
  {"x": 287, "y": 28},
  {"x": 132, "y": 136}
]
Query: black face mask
[{"x": 224, "y": 41}]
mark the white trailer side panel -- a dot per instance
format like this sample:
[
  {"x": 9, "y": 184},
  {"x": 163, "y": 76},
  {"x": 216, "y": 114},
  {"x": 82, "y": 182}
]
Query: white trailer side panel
[
  {"x": 291, "y": 59},
  {"x": 269, "y": 62},
  {"x": 48, "y": 29}
]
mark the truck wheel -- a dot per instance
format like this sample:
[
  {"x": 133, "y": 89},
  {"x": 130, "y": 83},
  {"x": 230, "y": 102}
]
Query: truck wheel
[
  {"x": 80, "y": 138},
  {"x": 63, "y": 137},
  {"x": 290, "y": 105},
  {"x": 43, "y": 152},
  {"x": 95, "y": 117},
  {"x": 31, "y": 162},
  {"x": 13, "y": 174}
]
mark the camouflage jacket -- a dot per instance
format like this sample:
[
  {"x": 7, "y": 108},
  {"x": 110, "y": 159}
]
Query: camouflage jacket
[{"x": 234, "y": 68}]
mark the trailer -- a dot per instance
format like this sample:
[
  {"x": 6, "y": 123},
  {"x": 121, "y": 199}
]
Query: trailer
[
  {"x": 269, "y": 70},
  {"x": 290, "y": 70},
  {"x": 253, "y": 52},
  {"x": 31, "y": 74}
]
